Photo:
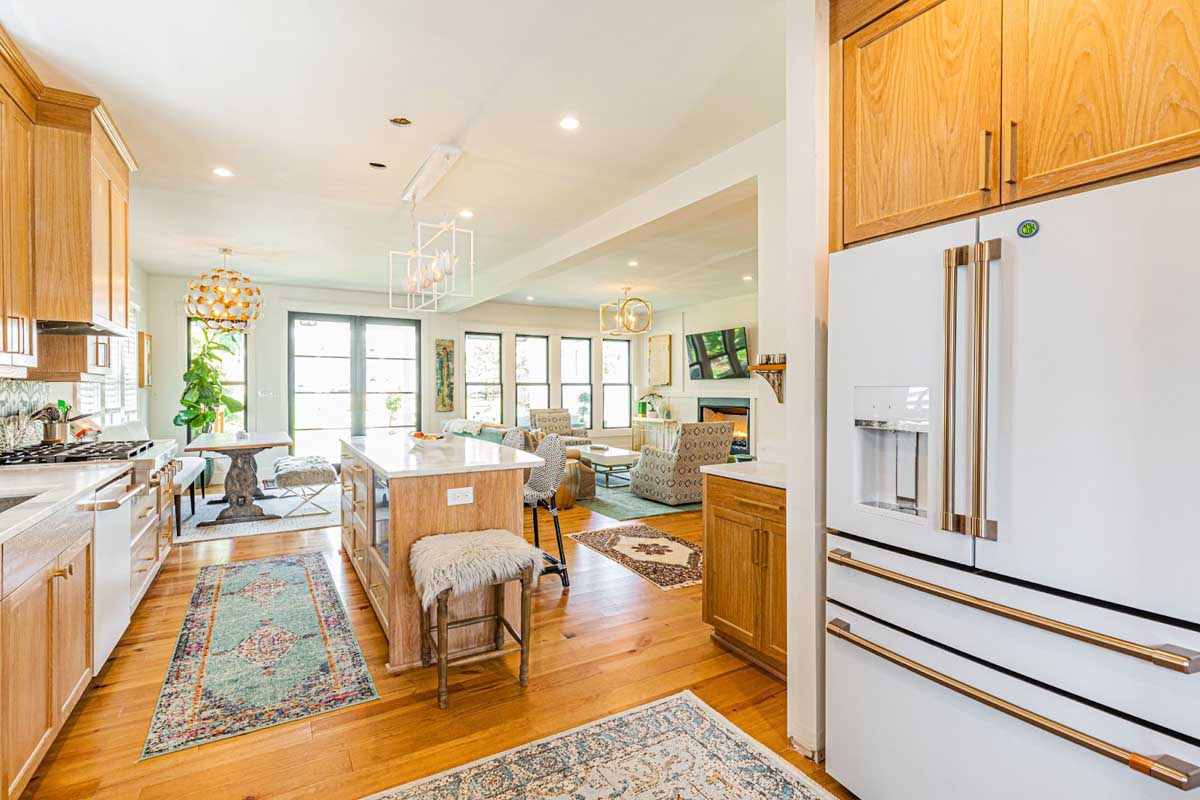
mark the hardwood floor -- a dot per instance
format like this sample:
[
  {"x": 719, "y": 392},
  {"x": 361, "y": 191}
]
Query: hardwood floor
[{"x": 613, "y": 641}]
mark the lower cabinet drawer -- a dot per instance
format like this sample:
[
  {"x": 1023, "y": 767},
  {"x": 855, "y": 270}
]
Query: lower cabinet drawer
[
  {"x": 24, "y": 556},
  {"x": 378, "y": 587},
  {"x": 893, "y": 733},
  {"x": 143, "y": 555}
]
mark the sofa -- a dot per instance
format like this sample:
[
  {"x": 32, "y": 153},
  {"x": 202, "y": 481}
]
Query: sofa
[
  {"x": 544, "y": 421},
  {"x": 673, "y": 476}
]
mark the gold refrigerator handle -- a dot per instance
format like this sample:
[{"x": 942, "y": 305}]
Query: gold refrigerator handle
[
  {"x": 1170, "y": 656},
  {"x": 978, "y": 524},
  {"x": 952, "y": 259},
  {"x": 1168, "y": 769}
]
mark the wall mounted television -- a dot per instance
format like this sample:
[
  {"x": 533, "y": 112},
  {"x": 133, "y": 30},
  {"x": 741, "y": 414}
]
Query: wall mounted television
[{"x": 717, "y": 355}]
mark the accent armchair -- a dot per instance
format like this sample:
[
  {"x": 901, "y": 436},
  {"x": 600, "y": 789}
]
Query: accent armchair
[
  {"x": 544, "y": 421},
  {"x": 673, "y": 476}
]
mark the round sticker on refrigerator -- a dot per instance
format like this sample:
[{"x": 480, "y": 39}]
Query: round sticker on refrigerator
[{"x": 1028, "y": 229}]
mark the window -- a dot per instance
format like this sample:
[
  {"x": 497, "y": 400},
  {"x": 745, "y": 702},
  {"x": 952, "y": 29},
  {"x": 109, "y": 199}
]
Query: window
[
  {"x": 481, "y": 368},
  {"x": 232, "y": 367},
  {"x": 350, "y": 376},
  {"x": 576, "y": 376},
  {"x": 533, "y": 376},
  {"x": 114, "y": 400},
  {"x": 618, "y": 393}
]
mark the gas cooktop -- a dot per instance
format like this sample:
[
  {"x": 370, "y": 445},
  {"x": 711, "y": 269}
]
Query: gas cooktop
[{"x": 88, "y": 451}]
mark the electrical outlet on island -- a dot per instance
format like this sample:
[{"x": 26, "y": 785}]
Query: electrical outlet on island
[{"x": 460, "y": 497}]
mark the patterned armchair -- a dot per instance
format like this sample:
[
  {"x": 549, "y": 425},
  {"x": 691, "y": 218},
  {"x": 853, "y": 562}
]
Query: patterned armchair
[
  {"x": 544, "y": 421},
  {"x": 673, "y": 476}
]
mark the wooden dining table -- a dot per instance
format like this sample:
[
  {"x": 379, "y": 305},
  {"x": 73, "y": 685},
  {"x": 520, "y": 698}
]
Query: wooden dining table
[{"x": 241, "y": 482}]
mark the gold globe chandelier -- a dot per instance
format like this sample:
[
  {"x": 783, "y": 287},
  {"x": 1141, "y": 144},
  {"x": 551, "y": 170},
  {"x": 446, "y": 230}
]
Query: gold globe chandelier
[
  {"x": 627, "y": 316},
  {"x": 225, "y": 299}
]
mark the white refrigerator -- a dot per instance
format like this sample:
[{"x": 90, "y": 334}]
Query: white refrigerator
[{"x": 1014, "y": 557}]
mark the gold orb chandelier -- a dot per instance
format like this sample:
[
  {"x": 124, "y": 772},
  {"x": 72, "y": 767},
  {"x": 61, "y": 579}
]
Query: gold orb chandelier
[{"x": 225, "y": 299}]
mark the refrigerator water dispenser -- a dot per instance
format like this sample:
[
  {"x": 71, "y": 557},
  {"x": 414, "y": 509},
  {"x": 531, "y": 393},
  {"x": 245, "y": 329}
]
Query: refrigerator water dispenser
[{"x": 892, "y": 448}]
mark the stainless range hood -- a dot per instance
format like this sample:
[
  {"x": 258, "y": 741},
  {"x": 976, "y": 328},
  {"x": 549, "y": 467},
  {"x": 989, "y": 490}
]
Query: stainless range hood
[{"x": 49, "y": 327}]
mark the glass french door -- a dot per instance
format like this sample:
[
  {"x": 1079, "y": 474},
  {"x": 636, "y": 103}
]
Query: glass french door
[{"x": 349, "y": 376}]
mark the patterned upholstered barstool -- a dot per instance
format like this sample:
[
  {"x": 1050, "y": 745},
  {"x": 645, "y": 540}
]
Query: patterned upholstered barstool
[
  {"x": 463, "y": 562},
  {"x": 540, "y": 490}
]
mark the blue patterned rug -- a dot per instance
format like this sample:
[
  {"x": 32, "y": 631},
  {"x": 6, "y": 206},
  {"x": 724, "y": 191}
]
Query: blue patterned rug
[
  {"x": 263, "y": 642},
  {"x": 676, "y": 748}
]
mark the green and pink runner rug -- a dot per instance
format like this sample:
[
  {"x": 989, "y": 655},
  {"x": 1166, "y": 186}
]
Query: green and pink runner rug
[{"x": 264, "y": 642}]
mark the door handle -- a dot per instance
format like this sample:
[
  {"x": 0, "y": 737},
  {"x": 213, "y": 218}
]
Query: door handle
[
  {"x": 952, "y": 259},
  {"x": 1013, "y": 152},
  {"x": 978, "y": 524},
  {"x": 985, "y": 161},
  {"x": 1169, "y": 656},
  {"x": 116, "y": 502},
  {"x": 1168, "y": 769}
]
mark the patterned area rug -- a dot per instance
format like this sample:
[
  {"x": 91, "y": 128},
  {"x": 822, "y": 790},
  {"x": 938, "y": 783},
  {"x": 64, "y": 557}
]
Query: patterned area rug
[
  {"x": 673, "y": 749},
  {"x": 263, "y": 642},
  {"x": 665, "y": 560},
  {"x": 309, "y": 517},
  {"x": 621, "y": 504}
]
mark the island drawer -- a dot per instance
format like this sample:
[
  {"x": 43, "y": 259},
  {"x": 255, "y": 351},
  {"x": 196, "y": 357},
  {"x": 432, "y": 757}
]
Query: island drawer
[{"x": 766, "y": 502}]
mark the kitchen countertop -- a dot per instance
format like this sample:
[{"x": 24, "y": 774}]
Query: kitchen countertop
[
  {"x": 764, "y": 473},
  {"x": 400, "y": 456},
  {"x": 53, "y": 487}
]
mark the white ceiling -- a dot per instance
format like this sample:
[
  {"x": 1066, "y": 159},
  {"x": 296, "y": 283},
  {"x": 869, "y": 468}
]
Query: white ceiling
[
  {"x": 295, "y": 98},
  {"x": 699, "y": 253}
]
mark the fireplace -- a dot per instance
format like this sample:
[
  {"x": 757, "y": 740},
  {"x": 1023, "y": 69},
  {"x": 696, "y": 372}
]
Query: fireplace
[{"x": 728, "y": 409}]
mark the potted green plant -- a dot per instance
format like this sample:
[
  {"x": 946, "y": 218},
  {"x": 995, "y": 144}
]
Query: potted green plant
[{"x": 203, "y": 394}]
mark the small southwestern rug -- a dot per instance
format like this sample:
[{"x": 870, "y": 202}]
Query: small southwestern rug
[
  {"x": 665, "y": 560},
  {"x": 676, "y": 747},
  {"x": 263, "y": 642}
]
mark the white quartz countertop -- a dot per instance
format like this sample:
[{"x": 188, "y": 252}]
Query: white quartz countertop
[
  {"x": 51, "y": 487},
  {"x": 765, "y": 473},
  {"x": 400, "y": 456}
]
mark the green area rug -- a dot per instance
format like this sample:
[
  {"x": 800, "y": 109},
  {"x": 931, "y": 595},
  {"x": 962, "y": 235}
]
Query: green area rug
[
  {"x": 677, "y": 747},
  {"x": 619, "y": 503},
  {"x": 263, "y": 642}
]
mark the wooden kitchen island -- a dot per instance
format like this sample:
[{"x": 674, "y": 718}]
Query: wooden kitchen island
[{"x": 396, "y": 490}]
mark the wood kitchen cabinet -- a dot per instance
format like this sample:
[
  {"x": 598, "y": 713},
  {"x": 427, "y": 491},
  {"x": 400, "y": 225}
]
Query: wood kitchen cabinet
[
  {"x": 1098, "y": 89},
  {"x": 944, "y": 108},
  {"x": 45, "y": 640},
  {"x": 922, "y": 93},
  {"x": 745, "y": 569},
  {"x": 81, "y": 234},
  {"x": 18, "y": 342}
]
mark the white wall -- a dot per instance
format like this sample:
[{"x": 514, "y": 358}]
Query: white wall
[
  {"x": 267, "y": 352},
  {"x": 798, "y": 303},
  {"x": 682, "y": 393}
]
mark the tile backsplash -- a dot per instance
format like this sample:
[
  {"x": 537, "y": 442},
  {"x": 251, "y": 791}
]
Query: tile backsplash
[{"x": 19, "y": 399}]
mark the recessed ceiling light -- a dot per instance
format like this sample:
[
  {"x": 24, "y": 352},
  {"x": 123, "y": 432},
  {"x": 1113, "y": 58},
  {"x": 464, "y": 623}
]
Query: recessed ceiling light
[
  {"x": 223, "y": 172},
  {"x": 466, "y": 213},
  {"x": 400, "y": 122},
  {"x": 529, "y": 297},
  {"x": 633, "y": 263},
  {"x": 376, "y": 165},
  {"x": 747, "y": 277},
  {"x": 568, "y": 123}
]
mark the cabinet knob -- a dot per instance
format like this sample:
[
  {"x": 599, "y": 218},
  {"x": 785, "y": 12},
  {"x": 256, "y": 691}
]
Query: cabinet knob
[{"x": 66, "y": 573}]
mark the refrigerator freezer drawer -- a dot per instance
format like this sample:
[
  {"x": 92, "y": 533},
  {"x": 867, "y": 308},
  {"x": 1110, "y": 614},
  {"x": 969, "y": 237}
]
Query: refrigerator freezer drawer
[
  {"x": 895, "y": 734},
  {"x": 1117, "y": 668},
  {"x": 1132, "y": 664}
]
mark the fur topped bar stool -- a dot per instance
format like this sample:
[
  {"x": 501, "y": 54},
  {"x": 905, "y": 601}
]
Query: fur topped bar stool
[{"x": 464, "y": 562}]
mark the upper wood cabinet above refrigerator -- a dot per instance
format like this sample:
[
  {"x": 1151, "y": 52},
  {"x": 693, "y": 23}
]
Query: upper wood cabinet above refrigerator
[
  {"x": 943, "y": 108},
  {"x": 920, "y": 113}
]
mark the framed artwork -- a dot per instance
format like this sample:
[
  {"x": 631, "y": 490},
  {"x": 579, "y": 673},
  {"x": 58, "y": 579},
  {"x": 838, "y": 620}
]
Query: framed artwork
[
  {"x": 145, "y": 374},
  {"x": 443, "y": 365},
  {"x": 658, "y": 360}
]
